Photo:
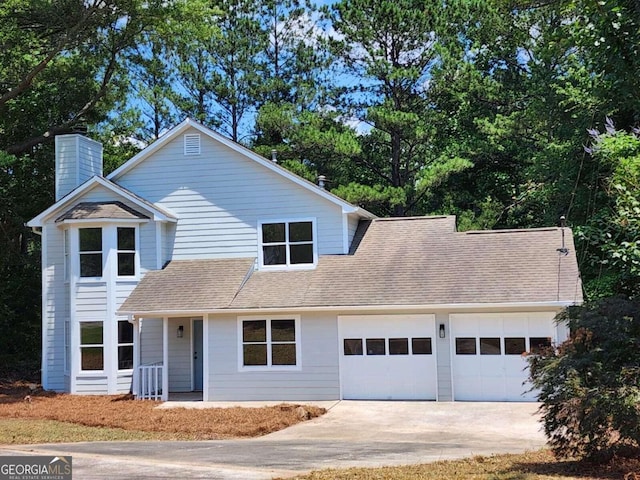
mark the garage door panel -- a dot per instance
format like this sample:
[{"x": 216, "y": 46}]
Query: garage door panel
[
  {"x": 404, "y": 376},
  {"x": 500, "y": 368}
]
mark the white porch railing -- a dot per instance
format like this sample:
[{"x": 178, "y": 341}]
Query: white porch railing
[{"x": 150, "y": 381}]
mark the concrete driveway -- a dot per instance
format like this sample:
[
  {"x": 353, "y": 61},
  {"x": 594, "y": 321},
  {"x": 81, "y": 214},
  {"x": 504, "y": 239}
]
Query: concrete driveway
[{"x": 352, "y": 433}]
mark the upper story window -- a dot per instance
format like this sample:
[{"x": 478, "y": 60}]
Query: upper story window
[
  {"x": 90, "y": 252},
  {"x": 107, "y": 249},
  {"x": 287, "y": 244},
  {"x": 126, "y": 251}
]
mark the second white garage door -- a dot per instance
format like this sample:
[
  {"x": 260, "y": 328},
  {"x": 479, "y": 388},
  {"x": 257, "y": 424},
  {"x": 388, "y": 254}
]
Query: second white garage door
[
  {"x": 487, "y": 353},
  {"x": 388, "y": 357}
]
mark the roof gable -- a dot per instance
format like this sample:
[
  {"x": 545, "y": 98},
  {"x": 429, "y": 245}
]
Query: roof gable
[
  {"x": 245, "y": 152},
  {"x": 76, "y": 195}
]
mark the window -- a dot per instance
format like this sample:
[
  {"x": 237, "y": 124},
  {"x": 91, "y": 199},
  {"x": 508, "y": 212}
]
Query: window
[
  {"x": 465, "y": 346},
  {"x": 421, "y": 346},
  {"x": 539, "y": 344},
  {"x": 125, "y": 345},
  {"x": 269, "y": 343},
  {"x": 90, "y": 252},
  {"x": 91, "y": 346},
  {"x": 287, "y": 243},
  {"x": 126, "y": 251},
  {"x": 353, "y": 346},
  {"x": 67, "y": 262},
  {"x": 514, "y": 346},
  {"x": 490, "y": 346},
  {"x": 375, "y": 346},
  {"x": 398, "y": 346}
]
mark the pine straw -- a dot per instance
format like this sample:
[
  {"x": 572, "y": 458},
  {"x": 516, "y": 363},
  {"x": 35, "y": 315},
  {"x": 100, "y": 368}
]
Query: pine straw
[{"x": 18, "y": 401}]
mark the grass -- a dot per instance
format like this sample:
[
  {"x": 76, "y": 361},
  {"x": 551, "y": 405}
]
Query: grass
[
  {"x": 34, "y": 416},
  {"x": 540, "y": 465}
]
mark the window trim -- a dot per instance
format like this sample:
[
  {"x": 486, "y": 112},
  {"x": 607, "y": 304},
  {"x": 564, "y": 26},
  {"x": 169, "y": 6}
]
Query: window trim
[
  {"x": 90, "y": 345},
  {"x": 103, "y": 257},
  {"x": 135, "y": 251},
  {"x": 269, "y": 367},
  {"x": 118, "y": 345},
  {"x": 288, "y": 265}
]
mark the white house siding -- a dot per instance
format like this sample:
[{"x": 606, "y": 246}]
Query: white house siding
[
  {"x": 180, "y": 358},
  {"x": 92, "y": 385},
  {"x": 317, "y": 379},
  {"x": 151, "y": 341},
  {"x": 352, "y": 222},
  {"x": 124, "y": 382},
  {"x": 91, "y": 301},
  {"x": 55, "y": 309},
  {"x": 147, "y": 247},
  {"x": 78, "y": 158},
  {"x": 443, "y": 351},
  {"x": 220, "y": 198}
]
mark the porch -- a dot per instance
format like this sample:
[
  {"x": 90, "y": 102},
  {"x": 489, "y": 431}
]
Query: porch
[{"x": 168, "y": 359}]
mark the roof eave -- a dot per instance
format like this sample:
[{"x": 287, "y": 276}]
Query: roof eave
[{"x": 555, "y": 305}]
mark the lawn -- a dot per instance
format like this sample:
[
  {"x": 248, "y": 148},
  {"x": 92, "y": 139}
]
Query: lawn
[
  {"x": 28, "y": 416},
  {"x": 540, "y": 465}
]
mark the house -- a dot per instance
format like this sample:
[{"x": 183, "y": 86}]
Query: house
[{"x": 201, "y": 266}]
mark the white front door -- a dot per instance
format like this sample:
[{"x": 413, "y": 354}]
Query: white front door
[
  {"x": 488, "y": 353},
  {"x": 388, "y": 357}
]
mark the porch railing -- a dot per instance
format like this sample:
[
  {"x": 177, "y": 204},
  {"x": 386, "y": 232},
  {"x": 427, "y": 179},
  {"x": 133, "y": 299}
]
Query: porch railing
[{"x": 150, "y": 381}]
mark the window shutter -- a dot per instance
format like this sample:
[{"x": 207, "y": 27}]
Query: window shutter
[{"x": 192, "y": 144}]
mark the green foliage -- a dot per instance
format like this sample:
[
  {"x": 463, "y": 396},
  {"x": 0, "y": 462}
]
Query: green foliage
[
  {"x": 611, "y": 238},
  {"x": 590, "y": 386}
]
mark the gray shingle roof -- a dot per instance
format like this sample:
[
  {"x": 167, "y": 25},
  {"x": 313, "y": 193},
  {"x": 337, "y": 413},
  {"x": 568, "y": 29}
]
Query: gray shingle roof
[
  {"x": 397, "y": 262},
  {"x": 100, "y": 210}
]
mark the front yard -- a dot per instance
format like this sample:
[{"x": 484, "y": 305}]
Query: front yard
[
  {"x": 34, "y": 416},
  {"x": 29, "y": 416}
]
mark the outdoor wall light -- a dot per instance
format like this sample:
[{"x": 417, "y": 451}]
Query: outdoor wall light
[
  {"x": 180, "y": 332},
  {"x": 441, "y": 330}
]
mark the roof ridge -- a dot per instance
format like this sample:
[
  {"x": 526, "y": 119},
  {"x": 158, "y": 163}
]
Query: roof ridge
[{"x": 511, "y": 230}]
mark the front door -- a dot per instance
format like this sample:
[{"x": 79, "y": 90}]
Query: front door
[{"x": 197, "y": 355}]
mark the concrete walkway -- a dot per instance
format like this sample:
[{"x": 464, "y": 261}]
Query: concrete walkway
[{"x": 352, "y": 433}]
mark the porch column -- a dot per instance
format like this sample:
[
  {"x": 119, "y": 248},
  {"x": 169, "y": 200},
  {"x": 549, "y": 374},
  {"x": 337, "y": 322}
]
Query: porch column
[
  {"x": 136, "y": 356},
  {"x": 165, "y": 359}
]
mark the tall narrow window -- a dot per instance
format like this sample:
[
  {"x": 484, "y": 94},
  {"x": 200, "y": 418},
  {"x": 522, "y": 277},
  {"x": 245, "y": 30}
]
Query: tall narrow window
[
  {"x": 287, "y": 243},
  {"x": 90, "y": 252},
  {"x": 67, "y": 249},
  {"x": 125, "y": 345},
  {"x": 91, "y": 346},
  {"x": 126, "y": 251}
]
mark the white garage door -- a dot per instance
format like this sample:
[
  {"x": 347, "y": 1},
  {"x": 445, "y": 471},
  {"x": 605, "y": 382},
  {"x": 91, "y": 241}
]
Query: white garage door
[
  {"x": 487, "y": 353},
  {"x": 388, "y": 357}
]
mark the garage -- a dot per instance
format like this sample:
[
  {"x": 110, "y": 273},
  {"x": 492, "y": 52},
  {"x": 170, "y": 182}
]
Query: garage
[
  {"x": 387, "y": 357},
  {"x": 487, "y": 353}
]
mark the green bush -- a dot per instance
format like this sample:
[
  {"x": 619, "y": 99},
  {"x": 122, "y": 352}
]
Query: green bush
[{"x": 590, "y": 385}]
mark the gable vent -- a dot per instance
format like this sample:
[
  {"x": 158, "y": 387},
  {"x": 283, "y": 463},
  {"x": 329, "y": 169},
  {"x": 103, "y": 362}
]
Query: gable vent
[{"x": 192, "y": 144}]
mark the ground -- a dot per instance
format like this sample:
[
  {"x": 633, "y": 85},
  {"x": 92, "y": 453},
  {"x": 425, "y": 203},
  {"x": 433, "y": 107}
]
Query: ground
[{"x": 30, "y": 415}]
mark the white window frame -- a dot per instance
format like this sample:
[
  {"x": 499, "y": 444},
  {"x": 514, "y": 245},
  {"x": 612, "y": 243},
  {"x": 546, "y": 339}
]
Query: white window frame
[
  {"x": 269, "y": 366},
  {"x": 135, "y": 251},
  {"x": 79, "y": 253},
  {"x": 66, "y": 234},
  {"x": 288, "y": 265},
  {"x": 118, "y": 345},
  {"x": 91, "y": 345}
]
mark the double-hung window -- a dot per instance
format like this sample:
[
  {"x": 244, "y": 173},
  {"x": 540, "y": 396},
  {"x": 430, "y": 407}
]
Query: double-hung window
[
  {"x": 126, "y": 251},
  {"x": 90, "y": 252},
  {"x": 125, "y": 345},
  {"x": 91, "y": 346},
  {"x": 270, "y": 342},
  {"x": 287, "y": 244}
]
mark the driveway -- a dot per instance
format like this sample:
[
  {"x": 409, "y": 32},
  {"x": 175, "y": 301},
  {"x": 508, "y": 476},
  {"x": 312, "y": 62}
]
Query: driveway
[{"x": 352, "y": 433}]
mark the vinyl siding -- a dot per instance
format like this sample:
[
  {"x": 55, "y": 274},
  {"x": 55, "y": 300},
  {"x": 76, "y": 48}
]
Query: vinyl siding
[
  {"x": 179, "y": 356},
  {"x": 151, "y": 341},
  {"x": 92, "y": 385},
  {"x": 56, "y": 308},
  {"x": 352, "y": 221},
  {"x": 91, "y": 301},
  {"x": 124, "y": 382},
  {"x": 220, "y": 198},
  {"x": 78, "y": 158},
  {"x": 443, "y": 350},
  {"x": 318, "y": 378}
]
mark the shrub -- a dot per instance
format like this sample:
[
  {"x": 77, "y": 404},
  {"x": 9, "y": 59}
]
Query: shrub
[{"x": 589, "y": 385}]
